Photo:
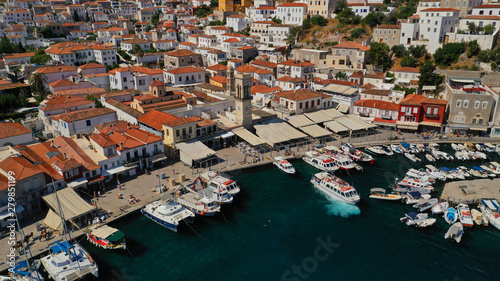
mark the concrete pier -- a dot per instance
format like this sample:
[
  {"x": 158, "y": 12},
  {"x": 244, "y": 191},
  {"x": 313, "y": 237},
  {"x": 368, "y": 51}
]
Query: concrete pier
[{"x": 471, "y": 191}]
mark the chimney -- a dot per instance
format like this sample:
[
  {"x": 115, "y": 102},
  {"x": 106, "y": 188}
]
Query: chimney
[
  {"x": 52, "y": 144},
  {"x": 121, "y": 145}
]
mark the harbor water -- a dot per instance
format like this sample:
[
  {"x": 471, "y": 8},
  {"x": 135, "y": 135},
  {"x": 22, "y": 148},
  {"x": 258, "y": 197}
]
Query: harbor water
[{"x": 281, "y": 228}]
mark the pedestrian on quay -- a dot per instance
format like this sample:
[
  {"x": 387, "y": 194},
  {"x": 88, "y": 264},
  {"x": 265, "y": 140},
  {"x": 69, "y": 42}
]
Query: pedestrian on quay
[
  {"x": 121, "y": 209},
  {"x": 173, "y": 171}
]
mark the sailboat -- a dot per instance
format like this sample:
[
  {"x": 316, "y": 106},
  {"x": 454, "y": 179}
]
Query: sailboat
[{"x": 68, "y": 261}]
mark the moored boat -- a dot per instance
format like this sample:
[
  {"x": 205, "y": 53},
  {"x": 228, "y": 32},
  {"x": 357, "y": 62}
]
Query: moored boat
[
  {"x": 106, "y": 237},
  {"x": 320, "y": 161},
  {"x": 491, "y": 210},
  {"x": 455, "y": 232},
  {"x": 167, "y": 213},
  {"x": 429, "y": 158},
  {"x": 69, "y": 262},
  {"x": 218, "y": 180},
  {"x": 335, "y": 187},
  {"x": 283, "y": 165},
  {"x": 377, "y": 150},
  {"x": 195, "y": 203},
  {"x": 396, "y": 149},
  {"x": 440, "y": 207},
  {"x": 479, "y": 218},
  {"x": 212, "y": 191},
  {"x": 425, "y": 204},
  {"x": 464, "y": 215},
  {"x": 419, "y": 220},
  {"x": 412, "y": 197},
  {"x": 450, "y": 215},
  {"x": 379, "y": 193},
  {"x": 345, "y": 162}
]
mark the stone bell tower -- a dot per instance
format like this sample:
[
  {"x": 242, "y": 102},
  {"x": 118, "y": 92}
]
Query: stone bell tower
[
  {"x": 230, "y": 81},
  {"x": 243, "y": 98}
]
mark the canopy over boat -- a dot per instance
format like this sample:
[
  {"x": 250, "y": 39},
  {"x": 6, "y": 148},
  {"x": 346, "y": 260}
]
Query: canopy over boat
[
  {"x": 422, "y": 201},
  {"x": 59, "y": 247},
  {"x": 430, "y": 167},
  {"x": 415, "y": 194},
  {"x": 108, "y": 233},
  {"x": 412, "y": 215},
  {"x": 492, "y": 204},
  {"x": 477, "y": 168},
  {"x": 19, "y": 266},
  {"x": 444, "y": 169},
  {"x": 405, "y": 144},
  {"x": 377, "y": 190}
]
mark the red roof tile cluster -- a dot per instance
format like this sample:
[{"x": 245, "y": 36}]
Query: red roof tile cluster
[
  {"x": 83, "y": 114},
  {"x": 351, "y": 45},
  {"x": 8, "y": 130},
  {"x": 70, "y": 149},
  {"x": 298, "y": 95},
  {"x": 21, "y": 168},
  {"x": 384, "y": 105},
  {"x": 156, "y": 119},
  {"x": 413, "y": 99}
]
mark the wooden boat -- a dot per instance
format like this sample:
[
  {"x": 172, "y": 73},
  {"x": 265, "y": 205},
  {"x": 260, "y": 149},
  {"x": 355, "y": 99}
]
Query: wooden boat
[
  {"x": 379, "y": 193},
  {"x": 106, "y": 237}
]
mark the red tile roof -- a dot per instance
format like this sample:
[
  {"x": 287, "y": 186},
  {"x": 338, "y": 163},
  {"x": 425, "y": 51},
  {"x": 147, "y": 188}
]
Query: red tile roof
[
  {"x": 434, "y": 101},
  {"x": 91, "y": 66},
  {"x": 181, "y": 53},
  {"x": 384, "y": 105},
  {"x": 413, "y": 99},
  {"x": 217, "y": 67},
  {"x": 62, "y": 83},
  {"x": 219, "y": 79},
  {"x": 440, "y": 10},
  {"x": 185, "y": 69},
  {"x": 69, "y": 148},
  {"x": 351, "y": 45},
  {"x": 56, "y": 69},
  {"x": 21, "y": 168},
  {"x": 298, "y": 95},
  {"x": 8, "y": 130},
  {"x": 264, "y": 63},
  {"x": 156, "y": 119},
  {"x": 408, "y": 69},
  {"x": 83, "y": 114}
]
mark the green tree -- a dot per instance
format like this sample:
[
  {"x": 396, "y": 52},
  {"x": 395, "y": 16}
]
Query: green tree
[
  {"x": 19, "y": 48},
  {"x": 406, "y": 11},
  {"x": 38, "y": 82},
  {"x": 277, "y": 20},
  {"x": 379, "y": 55},
  {"x": 40, "y": 57},
  {"x": 489, "y": 29},
  {"x": 374, "y": 18},
  {"x": 5, "y": 46},
  {"x": 295, "y": 33},
  {"x": 202, "y": 11},
  {"x": 358, "y": 32},
  {"x": 398, "y": 50},
  {"x": 87, "y": 18},
  {"x": 474, "y": 48},
  {"x": 428, "y": 75},
  {"x": 347, "y": 16},
  {"x": 485, "y": 55},
  {"x": 449, "y": 53},
  {"x": 341, "y": 5},
  {"x": 155, "y": 19},
  {"x": 319, "y": 20},
  {"x": 417, "y": 51},
  {"x": 76, "y": 17},
  {"x": 408, "y": 61},
  {"x": 98, "y": 103},
  {"x": 341, "y": 75},
  {"x": 46, "y": 32}
]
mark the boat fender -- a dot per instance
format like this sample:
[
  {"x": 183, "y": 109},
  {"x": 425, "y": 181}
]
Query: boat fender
[{"x": 202, "y": 213}]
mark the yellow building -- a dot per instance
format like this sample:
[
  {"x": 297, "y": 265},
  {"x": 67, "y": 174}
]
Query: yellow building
[
  {"x": 218, "y": 81},
  {"x": 234, "y": 5}
]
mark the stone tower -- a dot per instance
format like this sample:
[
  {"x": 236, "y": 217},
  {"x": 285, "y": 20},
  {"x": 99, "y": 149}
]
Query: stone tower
[
  {"x": 230, "y": 81},
  {"x": 243, "y": 99}
]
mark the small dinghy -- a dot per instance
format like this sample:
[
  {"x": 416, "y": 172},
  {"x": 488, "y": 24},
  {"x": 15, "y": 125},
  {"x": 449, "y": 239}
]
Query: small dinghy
[
  {"x": 455, "y": 232},
  {"x": 414, "y": 196},
  {"x": 440, "y": 207},
  {"x": 379, "y": 193},
  {"x": 479, "y": 218},
  {"x": 450, "y": 215},
  {"x": 425, "y": 204},
  {"x": 396, "y": 148},
  {"x": 419, "y": 220},
  {"x": 430, "y": 158},
  {"x": 412, "y": 157}
]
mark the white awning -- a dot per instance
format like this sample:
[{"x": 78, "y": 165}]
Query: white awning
[
  {"x": 252, "y": 139},
  {"x": 226, "y": 135},
  {"x": 484, "y": 129},
  {"x": 277, "y": 131},
  {"x": 333, "y": 112},
  {"x": 193, "y": 151},
  {"x": 78, "y": 182},
  {"x": 318, "y": 116},
  {"x": 299, "y": 121},
  {"x": 72, "y": 204},
  {"x": 471, "y": 81},
  {"x": 157, "y": 159},
  {"x": 114, "y": 170},
  {"x": 53, "y": 221},
  {"x": 428, "y": 88},
  {"x": 336, "y": 127},
  {"x": 316, "y": 131},
  {"x": 343, "y": 108}
]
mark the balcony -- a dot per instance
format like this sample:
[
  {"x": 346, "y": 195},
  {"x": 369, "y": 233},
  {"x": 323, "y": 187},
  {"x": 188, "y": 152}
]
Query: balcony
[
  {"x": 386, "y": 117},
  {"x": 434, "y": 116}
]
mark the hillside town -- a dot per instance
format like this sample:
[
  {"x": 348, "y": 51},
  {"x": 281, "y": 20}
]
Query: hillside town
[{"x": 96, "y": 93}]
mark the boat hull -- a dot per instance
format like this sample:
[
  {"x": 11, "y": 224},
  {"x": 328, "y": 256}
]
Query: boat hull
[
  {"x": 99, "y": 243},
  {"x": 159, "y": 221},
  {"x": 332, "y": 194}
]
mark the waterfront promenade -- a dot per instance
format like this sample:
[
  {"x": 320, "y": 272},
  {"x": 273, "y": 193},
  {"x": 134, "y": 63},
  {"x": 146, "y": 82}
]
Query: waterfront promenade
[
  {"x": 140, "y": 186},
  {"x": 471, "y": 191}
]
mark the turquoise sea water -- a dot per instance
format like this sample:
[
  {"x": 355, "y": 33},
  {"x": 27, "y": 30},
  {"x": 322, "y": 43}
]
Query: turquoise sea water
[{"x": 281, "y": 228}]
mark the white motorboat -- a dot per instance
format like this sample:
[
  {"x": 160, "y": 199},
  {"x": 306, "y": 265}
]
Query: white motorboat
[
  {"x": 450, "y": 215},
  {"x": 412, "y": 157},
  {"x": 69, "y": 262},
  {"x": 360, "y": 156},
  {"x": 167, "y": 213},
  {"x": 345, "y": 162},
  {"x": 440, "y": 207},
  {"x": 414, "y": 196},
  {"x": 491, "y": 210},
  {"x": 461, "y": 155},
  {"x": 480, "y": 155},
  {"x": 455, "y": 232},
  {"x": 199, "y": 205},
  {"x": 420, "y": 175},
  {"x": 434, "y": 146},
  {"x": 377, "y": 150},
  {"x": 478, "y": 147},
  {"x": 283, "y": 165},
  {"x": 464, "y": 215},
  {"x": 419, "y": 220},
  {"x": 320, "y": 161},
  {"x": 396, "y": 148},
  {"x": 212, "y": 191},
  {"x": 425, "y": 204},
  {"x": 490, "y": 170},
  {"x": 388, "y": 150},
  {"x": 481, "y": 173},
  {"x": 335, "y": 187},
  {"x": 455, "y": 147},
  {"x": 217, "y": 180},
  {"x": 447, "y": 173},
  {"x": 415, "y": 185},
  {"x": 435, "y": 173},
  {"x": 429, "y": 158},
  {"x": 379, "y": 193},
  {"x": 479, "y": 218},
  {"x": 489, "y": 147},
  {"x": 494, "y": 166},
  {"x": 464, "y": 171}
]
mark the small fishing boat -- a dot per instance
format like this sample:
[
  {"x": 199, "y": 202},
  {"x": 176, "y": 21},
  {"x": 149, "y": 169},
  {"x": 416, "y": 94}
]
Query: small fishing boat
[
  {"x": 435, "y": 173},
  {"x": 425, "y": 204},
  {"x": 455, "y": 147},
  {"x": 490, "y": 170},
  {"x": 396, "y": 149},
  {"x": 377, "y": 150},
  {"x": 345, "y": 162},
  {"x": 477, "y": 172},
  {"x": 464, "y": 171},
  {"x": 406, "y": 147},
  {"x": 197, "y": 204},
  {"x": 464, "y": 215},
  {"x": 429, "y": 158},
  {"x": 447, "y": 173},
  {"x": 412, "y": 197},
  {"x": 379, "y": 193},
  {"x": 479, "y": 147},
  {"x": 450, "y": 215},
  {"x": 484, "y": 173},
  {"x": 283, "y": 165},
  {"x": 360, "y": 156},
  {"x": 491, "y": 210},
  {"x": 320, "y": 161},
  {"x": 412, "y": 157},
  {"x": 479, "y": 218},
  {"x": 106, "y": 237},
  {"x": 461, "y": 155},
  {"x": 455, "y": 232},
  {"x": 480, "y": 155},
  {"x": 216, "y": 179},
  {"x": 440, "y": 207},
  {"x": 167, "y": 213},
  {"x": 335, "y": 187},
  {"x": 419, "y": 220},
  {"x": 217, "y": 193}
]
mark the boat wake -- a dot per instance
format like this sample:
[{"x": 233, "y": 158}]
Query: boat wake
[{"x": 336, "y": 208}]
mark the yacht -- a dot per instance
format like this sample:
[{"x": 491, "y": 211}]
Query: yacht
[
  {"x": 320, "y": 161},
  {"x": 215, "y": 179},
  {"x": 377, "y": 150},
  {"x": 464, "y": 214},
  {"x": 345, "y": 162},
  {"x": 106, "y": 237},
  {"x": 198, "y": 205},
  {"x": 335, "y": 187},
  {"x": 455, "y": 232},
  {"x": 388, "y": 150},
  {"x": 69, "y": 262},
  {"x": 212, "y": 191},
  {"x": 415, "y": 185},
  {"x": 22, "y": 271},
  {"x": 167, "y": 213},
  {"x": 491, "y": 210},
  {"x": 283, "y": 165}
]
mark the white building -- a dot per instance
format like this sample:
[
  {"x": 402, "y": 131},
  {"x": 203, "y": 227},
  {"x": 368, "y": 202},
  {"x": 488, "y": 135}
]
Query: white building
[
  {"x": 291, "y": 13},
  {"x": 82, "y": 121},
  {"x": 238, "y": 22},
  {"x": 133, "y": 77},
  {"x": 181, "y": 76}
]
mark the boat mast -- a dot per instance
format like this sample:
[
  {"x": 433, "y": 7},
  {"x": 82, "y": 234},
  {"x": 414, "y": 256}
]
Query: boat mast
[{"x": 21, "y": 233}]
